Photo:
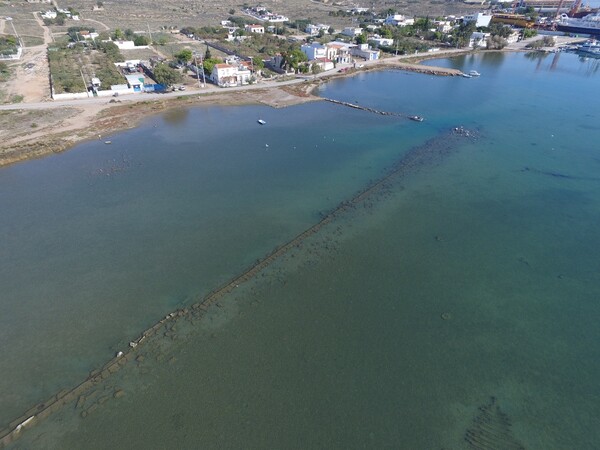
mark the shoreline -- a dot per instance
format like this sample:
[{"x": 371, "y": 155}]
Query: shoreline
[{"x": 42, "y": 129}]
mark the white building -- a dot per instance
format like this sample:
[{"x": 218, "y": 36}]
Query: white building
[
  {"x": 399, "y": 20},
  {"x": 478, "y": 40},
  {"x": 255, "y": 29},
  {"x": 314, "y": 50},
  {"x": 339, "y": 52},
  {"x": 323, "y": 63},
  {"x": 125, "y": 45},
  {"x": 480, "y": 19},
  {"x": 313, "y": 30},
  {"x": 352, "y": 32},
  {"x": 364, "y": 51},
  {"x": 380, "y": 41},
  {"x": 513, "y": 37},
  {"x": 135, "y": 82},
  {"x": 228, "y": 75},
  {"x": 443, "y": 26},
  {"x": 50, "y": 14}
]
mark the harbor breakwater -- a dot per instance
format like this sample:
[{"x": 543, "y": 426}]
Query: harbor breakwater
[{"x": 426, "y": 155}]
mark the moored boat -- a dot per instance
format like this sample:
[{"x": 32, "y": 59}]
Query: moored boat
[
  {"x": 260, "y": 121},
  {"x": 590, "y": 48},
  {"x": 416, "y": 118}
]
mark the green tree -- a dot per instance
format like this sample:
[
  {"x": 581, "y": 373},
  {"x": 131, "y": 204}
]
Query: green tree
[
  {"x": 141, "y": 40},
  {"x": 462, "y": 34},
  {"x": 184, "y": 55},
  {"x": 293, "y": 58},
  {"x": 422, "y": 24},
  {"x": 258, "y": 63},
  {"x": 529, "y": 32},
  {"x": 111, "y": 50},
  {"x": 361, "y": 39},
  {"x": 118, "y": 34},
  {"x": 497, "y": 29},
  {"x": 163, "y": 74},
  {"x": 207, "y": 53},
  {"x": 385, "y": 32},
  {"x": 496, "y": 42},
  {"x": 209, "y": 64}
]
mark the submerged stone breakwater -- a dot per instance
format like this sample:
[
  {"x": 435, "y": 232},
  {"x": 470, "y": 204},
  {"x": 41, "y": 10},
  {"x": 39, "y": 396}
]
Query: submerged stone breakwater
[{"x": 426, "y": 155}]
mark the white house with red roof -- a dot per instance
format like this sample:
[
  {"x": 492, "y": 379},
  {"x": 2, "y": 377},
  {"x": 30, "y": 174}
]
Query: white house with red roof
[{"x": 255, "y": 28}]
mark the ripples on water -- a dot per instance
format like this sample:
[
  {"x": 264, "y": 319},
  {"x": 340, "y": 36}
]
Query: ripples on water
[{"x": 454, "y": 308}]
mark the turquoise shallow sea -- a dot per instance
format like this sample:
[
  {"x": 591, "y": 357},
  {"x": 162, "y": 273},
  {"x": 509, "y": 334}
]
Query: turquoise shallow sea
[{"x": 455, "y": 307}]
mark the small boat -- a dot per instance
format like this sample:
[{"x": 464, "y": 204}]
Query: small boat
[
  {"x": 108, "y": 142},
  {"x": 262, "y": 122},
  {"x": 474, "y": 73},
  {"x": 416, "y": 118},
  {"x": 466, "y": 75}
]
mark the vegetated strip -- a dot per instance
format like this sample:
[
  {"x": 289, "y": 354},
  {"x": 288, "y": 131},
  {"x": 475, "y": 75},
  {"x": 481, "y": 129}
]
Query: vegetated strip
[{"x": 419, "y": 157}]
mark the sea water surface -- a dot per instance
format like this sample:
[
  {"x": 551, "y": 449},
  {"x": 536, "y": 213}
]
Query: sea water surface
[{"x": 454, "y": 308}]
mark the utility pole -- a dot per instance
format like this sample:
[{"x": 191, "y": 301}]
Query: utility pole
[
  {"x": 149, "y": 34},
  {"x": 198, "y": 72},
  {"x": 84, "y": 83}
]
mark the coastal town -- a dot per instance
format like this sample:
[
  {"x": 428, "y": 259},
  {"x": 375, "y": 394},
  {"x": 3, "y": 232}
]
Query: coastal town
[
  {"x": 398, "y": 264},
  {"x": 51, "y": 54}
]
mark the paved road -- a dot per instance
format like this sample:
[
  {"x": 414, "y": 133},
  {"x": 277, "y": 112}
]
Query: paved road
[{"x": 209, "y": 89}]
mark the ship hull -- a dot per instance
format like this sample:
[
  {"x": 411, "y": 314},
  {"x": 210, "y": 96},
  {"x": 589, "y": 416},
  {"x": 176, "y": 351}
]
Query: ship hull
[{"x": 579, "y": 30}]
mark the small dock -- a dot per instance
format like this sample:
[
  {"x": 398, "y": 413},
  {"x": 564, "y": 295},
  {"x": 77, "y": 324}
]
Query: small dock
[{"x": 371, "y": 110}]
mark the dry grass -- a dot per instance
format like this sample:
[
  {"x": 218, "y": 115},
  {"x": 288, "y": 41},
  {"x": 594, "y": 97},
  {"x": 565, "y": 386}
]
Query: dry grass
[{"x": 139, "y": 14}]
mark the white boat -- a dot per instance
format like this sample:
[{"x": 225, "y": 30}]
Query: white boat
[
  {"x": 416, "y": 118},
  {"x": 590, "y": 47},
  {"x": 466, "y": 75},
  {"x": 262, "y": 122},
  {"x": 474, "y": 73}
]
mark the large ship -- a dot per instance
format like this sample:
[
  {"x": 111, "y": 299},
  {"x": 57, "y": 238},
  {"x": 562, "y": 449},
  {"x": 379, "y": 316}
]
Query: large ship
[{"x": 589, "y": 24}]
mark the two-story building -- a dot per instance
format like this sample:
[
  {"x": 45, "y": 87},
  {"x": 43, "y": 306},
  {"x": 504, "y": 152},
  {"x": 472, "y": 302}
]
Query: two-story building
[
  {"x": 339, "y": 52},
  {"x": 365, "y": 52},
  {"x": 228, "y": 75}
]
